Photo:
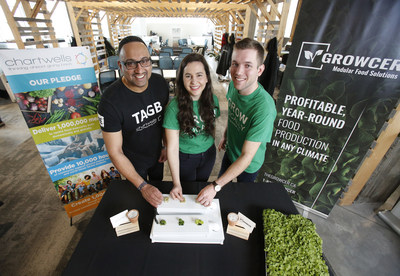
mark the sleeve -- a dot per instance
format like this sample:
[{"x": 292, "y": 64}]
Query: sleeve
[
  {"x": 262, "y": 125},
  {"x": 109, "y": 118},
  {"x": 171, "y": 116}
]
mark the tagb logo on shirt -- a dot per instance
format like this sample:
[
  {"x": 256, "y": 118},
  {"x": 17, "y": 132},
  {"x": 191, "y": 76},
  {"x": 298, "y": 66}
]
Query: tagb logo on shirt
[{"x": 101, "y": 120}]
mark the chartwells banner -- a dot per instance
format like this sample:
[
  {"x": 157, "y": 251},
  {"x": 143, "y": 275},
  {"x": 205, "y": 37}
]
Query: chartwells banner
[
  {"x": 340, "y": 85},
  {"x": 57, "y": 92}
]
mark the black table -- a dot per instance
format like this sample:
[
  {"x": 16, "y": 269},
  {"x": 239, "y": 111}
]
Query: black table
[{"x": 101, "y": 252}]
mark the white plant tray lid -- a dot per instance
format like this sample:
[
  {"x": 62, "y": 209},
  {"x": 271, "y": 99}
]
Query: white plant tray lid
[{"x": 189, "y": 206}]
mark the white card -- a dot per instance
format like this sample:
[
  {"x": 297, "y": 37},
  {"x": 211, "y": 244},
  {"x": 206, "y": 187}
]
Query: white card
[
  {"x": 119, "y": 219},
  {"x": 246, "y": 223}
]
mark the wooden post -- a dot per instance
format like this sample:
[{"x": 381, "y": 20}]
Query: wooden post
[
  {"x": 72, "y": 21},
  {"x": 13, "y": 25},
  {"x": 249, "y": 23},
  {"x": 29, "y": 13}
]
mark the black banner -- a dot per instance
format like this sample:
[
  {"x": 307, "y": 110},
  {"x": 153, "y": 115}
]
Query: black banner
[{"x": 340, "y": 85}]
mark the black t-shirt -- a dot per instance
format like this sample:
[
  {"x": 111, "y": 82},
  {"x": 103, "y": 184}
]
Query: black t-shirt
[{"x": 139, "y": 116}]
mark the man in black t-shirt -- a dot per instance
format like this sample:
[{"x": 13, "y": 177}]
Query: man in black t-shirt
[{"x": 131, "y": 115}]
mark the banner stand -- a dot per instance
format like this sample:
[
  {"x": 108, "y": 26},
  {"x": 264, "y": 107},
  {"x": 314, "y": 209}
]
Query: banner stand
[{"x": 58, "y": 95}]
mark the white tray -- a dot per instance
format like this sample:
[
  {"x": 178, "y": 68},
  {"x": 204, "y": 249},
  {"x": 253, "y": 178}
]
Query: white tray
[{"x": 211, "y": 232}]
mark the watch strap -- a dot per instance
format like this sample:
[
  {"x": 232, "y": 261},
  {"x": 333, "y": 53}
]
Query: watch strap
[{"x": 142, "y": 185}]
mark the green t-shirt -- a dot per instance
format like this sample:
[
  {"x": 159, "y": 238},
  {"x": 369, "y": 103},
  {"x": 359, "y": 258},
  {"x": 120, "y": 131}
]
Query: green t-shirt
[
  {"x": 250, "y": 118},
  {"x": 197, "y": 144}
]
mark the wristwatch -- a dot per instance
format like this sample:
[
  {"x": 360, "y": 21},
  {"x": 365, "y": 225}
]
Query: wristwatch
[{"x": 217, "y": 187}]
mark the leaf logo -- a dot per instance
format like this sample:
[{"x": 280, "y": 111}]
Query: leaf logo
[{"x": 309, "y": 55}]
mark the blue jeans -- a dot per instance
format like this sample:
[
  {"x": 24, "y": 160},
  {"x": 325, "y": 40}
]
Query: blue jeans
[
  {"x": 243, "y": 177},
  {"x": 196, "y": 167}
]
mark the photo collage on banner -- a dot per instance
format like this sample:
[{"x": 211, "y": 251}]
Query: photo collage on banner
[
  {"x": 341, "y": 83},
  {"x": 57, "y": 92}
]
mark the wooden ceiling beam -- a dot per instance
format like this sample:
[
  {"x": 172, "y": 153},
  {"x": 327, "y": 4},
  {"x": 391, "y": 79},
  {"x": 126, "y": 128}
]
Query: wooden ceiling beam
[{"x": 124, "y": 5}]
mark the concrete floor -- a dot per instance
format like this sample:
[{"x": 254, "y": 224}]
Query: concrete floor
[{"x": 36, "y": 237}]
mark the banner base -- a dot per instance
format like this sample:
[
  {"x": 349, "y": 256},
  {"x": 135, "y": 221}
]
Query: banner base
[{"x": 307, "y": 210}]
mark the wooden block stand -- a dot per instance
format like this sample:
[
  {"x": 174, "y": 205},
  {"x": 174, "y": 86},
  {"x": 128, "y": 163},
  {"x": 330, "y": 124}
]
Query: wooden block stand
[
  {"x": 238, "y": 232},
  {"x": 127, "y": 228}
]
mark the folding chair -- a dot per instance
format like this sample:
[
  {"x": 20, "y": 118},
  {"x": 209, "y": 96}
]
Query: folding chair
[
  {"x": 169, "y": 50},
  {"x": 164, "y": 54},
  {"x": 187, "y": 50},
  {"x": 177, "y": 62},
  {"x": 112, "y": 62},
  {"x": 165, "y": 63},
  {"x": 106, "y": 78}
]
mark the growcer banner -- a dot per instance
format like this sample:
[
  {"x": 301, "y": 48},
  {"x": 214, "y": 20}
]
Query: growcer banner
[
  {"x": 340, "y": 85},
  {"x": 57, "y": 92}
]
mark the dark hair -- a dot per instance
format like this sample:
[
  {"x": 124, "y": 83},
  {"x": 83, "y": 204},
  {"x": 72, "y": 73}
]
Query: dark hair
[
  {"x": 249, "y": 43},
  {"x": 87, "y": 176},
  {"x": 185, "y": 102},
  {"x": 128, "y": 39}
]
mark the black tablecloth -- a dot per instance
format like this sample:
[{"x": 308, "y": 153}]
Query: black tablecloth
[{"x": 101, "y": 252}]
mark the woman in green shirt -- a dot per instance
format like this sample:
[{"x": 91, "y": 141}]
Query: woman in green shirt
[{"x": 189, "y": 124}]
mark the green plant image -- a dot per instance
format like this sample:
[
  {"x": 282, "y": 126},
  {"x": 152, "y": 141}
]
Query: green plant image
[
  {"x": 292, "y": 245},
  {"x": 181, "y": 222},
  {"x": 163, "y": 222},
  {"x": 42, "y": 93}
]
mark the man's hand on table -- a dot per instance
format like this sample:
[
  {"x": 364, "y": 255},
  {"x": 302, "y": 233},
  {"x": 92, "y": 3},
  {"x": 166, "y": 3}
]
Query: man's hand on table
[
  {"x": 163, "y": 155},
  {"x": 152, "y": 195},
  {"x": 206, "y": 195}
]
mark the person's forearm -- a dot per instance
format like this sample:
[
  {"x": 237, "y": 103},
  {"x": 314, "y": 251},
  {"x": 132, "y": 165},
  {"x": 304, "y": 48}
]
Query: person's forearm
[
  {"x": 235, "y": 169},
  {"x": 125, "y": 167},
  {"x": 173, "y": 162}
]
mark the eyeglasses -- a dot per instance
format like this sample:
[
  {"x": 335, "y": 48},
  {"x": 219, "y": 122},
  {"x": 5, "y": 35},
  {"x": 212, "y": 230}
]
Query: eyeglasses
[{"x": 133, "y": 64}]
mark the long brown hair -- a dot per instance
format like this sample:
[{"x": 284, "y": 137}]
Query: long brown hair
[{"x": 185, "y": 102}]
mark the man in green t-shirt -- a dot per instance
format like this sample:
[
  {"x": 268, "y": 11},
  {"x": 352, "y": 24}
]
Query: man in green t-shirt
[{"x": 251, "y": 115}]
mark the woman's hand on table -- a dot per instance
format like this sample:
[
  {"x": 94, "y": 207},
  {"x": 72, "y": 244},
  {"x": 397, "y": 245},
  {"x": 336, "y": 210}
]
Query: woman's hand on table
[
  {"x": 152, "y": 195},
  {"x": 206, "y": 195},
  {"x": 176, "y": 192}
]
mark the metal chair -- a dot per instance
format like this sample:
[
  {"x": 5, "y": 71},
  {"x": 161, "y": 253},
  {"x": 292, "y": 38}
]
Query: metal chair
[
  {"x": 112, "y": 62},
  {"x": 106, "y": 78},
  {"x": 177, "y": 62},
  {"x": 165, "y": 63},
  {"x": 156, "y": 70},
  {"x": 186, "y": 50}
]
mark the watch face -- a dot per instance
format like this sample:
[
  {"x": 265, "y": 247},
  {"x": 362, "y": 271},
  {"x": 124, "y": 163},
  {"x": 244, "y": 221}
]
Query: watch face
[{"x": 217, "y": 188}]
